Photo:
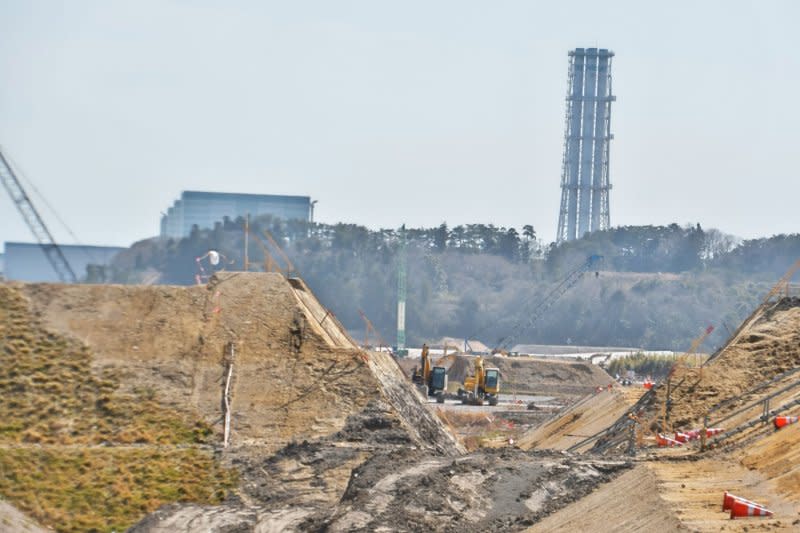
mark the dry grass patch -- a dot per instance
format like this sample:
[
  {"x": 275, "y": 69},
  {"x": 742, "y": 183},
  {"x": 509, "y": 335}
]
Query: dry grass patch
[
  {"x": 77, "y": 454},
  {"x": 107, "y": 489}
]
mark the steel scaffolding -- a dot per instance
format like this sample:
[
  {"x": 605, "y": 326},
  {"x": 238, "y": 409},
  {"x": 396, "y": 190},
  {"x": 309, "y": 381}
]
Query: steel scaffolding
[{"x": 585, "y": 183}]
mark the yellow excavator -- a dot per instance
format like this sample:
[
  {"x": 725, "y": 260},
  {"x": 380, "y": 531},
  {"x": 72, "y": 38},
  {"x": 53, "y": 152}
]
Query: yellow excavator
[
  {"x": 432, "y": 381},
  {"x": 483, "y": 386}
]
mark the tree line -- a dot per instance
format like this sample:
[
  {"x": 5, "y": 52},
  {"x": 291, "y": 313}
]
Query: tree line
[{"x": 658, "y": 286}]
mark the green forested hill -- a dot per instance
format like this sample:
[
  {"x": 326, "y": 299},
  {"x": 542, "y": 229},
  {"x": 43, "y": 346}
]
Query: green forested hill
[{"x": 658, "y": 286}]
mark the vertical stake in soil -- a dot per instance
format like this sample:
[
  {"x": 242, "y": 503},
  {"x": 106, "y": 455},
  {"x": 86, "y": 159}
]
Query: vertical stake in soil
[{"x": 226, "y": 395}]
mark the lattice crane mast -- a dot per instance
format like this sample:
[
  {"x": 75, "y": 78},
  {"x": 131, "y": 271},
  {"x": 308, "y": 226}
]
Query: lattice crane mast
[
  {"x": 566, "y": 283},
  {"x": 34, "y": 221}
]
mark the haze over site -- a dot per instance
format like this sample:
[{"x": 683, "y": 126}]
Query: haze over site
[{"x": 415, "y": 112}]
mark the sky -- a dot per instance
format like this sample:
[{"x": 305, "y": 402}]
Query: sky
[{"x": 415, "y": 112}]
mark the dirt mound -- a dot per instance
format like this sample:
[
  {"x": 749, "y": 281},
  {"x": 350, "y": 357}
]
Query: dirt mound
[
  {"x": 678, "y": 494},
  {"x": 453, "y": 343},
  {"x": 72, "y": 436},
  {"x": 631, "y": 502},
  {"x": 765, "y": 347},
  {"x": 576, "y": 423},
  {"x": 295, "y": 372},
  {"x": 527, "y": 375},
  {"x": 536, "y": 375},
  {"x": 778, "y": 458},
  {"x": 156, "y": 364},
  {"x": 492, "y": 490}
]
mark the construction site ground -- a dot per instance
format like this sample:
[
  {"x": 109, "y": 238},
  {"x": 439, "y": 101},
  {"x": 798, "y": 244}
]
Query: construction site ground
[
  {"x": 120, "y": 394},
  {"x": 127, "y": 395},
  {"x": 685, "y": 492},
  {"x": 581, "y": 420},
  {"x": 682, "y": 487},
  {"x": 533, "y": 389}
]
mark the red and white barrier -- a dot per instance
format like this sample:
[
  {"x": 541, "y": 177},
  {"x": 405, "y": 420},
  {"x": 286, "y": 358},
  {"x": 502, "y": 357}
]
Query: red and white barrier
[
  {"x": 781, "y": 421},
  {"x": 664, "y": 441},
  {"x": 740, "y": 509}
]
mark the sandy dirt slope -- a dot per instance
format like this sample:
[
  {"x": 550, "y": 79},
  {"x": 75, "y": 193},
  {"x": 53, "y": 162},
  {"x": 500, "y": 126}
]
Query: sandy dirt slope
[
  {"x": 693, "y": 490},
  {"x": 763, "y": 348},
  {"x": 767, "y": 344},
  {"x": 297, "y": 378},
  {"x": 12, "y": 519},
  {"x": 777, "y": 457},
  {"x": 766, "y": 471},
  {"x": 582, "y": 420},
  {"x": 686, "y": 491},
  {"x": 173, "y": 340},
  {"x": 490, "y": 490},
  {"x": 630, "y": 502}
]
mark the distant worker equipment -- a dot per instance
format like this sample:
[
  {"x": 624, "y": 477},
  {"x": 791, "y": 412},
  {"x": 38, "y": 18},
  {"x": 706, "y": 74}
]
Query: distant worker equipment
[
  {"x": 483, "y": 386},
  {"x": 432, "y": 381},
  {"x": 585, "y": 184},
  {"x": 213, "y": 258},
  {"x": 34, "y": 221}
]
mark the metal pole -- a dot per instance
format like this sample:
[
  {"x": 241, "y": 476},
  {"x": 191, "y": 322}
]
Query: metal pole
[{"x": 246, "y": 234}]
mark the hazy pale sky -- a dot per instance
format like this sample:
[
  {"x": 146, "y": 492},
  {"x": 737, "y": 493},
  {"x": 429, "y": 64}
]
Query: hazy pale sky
[{"x": 411, "y": 112}]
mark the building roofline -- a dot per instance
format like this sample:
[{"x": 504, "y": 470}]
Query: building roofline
[
  {"x": 67, "y": 246},
  {"x": 238, "y": 195}
]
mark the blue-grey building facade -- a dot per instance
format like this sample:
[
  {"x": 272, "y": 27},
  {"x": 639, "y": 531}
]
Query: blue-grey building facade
[
  {"x": 204, "y": 209},
  {"x": 585, "y": 183},
  {"x": 26, "y": 261}
]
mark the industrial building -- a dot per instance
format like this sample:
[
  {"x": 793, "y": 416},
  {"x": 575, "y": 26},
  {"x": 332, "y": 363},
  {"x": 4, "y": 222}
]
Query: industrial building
[
  {"x": 585, "y": 183},
  {"x": 26, "y": 261},
  {"x": 204, "y": 209}
]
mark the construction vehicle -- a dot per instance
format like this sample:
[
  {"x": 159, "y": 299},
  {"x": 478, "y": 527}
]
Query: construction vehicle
[
  {"x": 532, "y": 316},
  {"x": 430, "y": 380},
  {"x": 536, "y": 310},
  {"x": 483, "y": 386}
]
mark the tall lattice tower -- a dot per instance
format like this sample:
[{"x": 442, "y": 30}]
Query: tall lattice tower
[{"x": 585, "y": 183}]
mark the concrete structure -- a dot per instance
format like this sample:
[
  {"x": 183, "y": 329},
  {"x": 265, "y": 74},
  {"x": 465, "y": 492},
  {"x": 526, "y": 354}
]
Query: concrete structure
[
  {"x": 25, "y": 261},
  {"x": 204, "y": 209},
  {"x": 585, "y": 182}
]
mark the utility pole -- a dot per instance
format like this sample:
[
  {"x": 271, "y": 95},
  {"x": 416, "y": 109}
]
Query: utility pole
[
  {"x": 311, "y": 218},
  {"x": 401, "y": 295},
  {"x": 246, "y": 243}
]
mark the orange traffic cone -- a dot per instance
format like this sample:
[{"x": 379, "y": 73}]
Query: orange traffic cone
[
  {"x": 728, "y": 499},
  {"x": 740, "y": 508},
  {"x": 781, "y": 421}
]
